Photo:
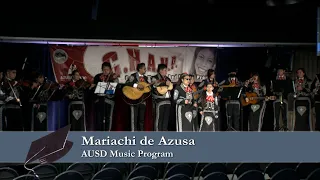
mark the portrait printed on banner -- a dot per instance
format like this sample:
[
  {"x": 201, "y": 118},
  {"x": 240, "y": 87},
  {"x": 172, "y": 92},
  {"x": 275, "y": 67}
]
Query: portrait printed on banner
[{"x": 204, "y": 59}]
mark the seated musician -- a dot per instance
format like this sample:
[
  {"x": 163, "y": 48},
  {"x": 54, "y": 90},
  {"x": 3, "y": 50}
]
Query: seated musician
[
  {"x": 281, "y": 88},
  {"x": 11, "y": 90},
  {"x": 186, "y": 118},
  {"x": 256, "y": 115},
  {"x": 105, "y": 103},
  {"x": 316, "y": 97},
  {"x": 209, "y": 110},
  {"x": 233, "y": 109},
  {"x": 75, "y": 93},
  {"x": 302, "y": 103},
  {"x": 138, "y": 110},
  {"x": 162, "y": 101}
]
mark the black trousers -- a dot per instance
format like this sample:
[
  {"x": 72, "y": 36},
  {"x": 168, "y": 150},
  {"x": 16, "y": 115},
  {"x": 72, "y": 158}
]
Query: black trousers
[
  {"x": 76, "y": 116},
  {"x": 256, "y": 116},
  {"x": 162, "y": 115},
  {"x": 13, "y": 119},
  {"x": 233, "y": 114},
  {"x": 317, "y": 109},
  {"x": 2, "y": 118},
  {"x": 280, "y": 109},
  {"x": 104, "y": 114},
  {"x": 39, "y": 117},
  {"x": 302, "y": 112},
  {"x": 137, "y": 116}
]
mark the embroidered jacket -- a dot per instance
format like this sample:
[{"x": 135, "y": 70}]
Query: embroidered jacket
[
  {"x": 305, "y": 84},
  {"x": 182, "y": 93},
  {"x": 208, "y": 102},
  {"x": 258, "y": 88},
  {"x": 135, "y": 78}
]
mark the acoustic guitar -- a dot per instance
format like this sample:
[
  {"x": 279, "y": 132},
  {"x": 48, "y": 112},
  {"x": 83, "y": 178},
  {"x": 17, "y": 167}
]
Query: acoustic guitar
[
  {"x": 254, "y": 98},
  {"x": 136, "y": 93},
  {"x": 164, "y": 89}
]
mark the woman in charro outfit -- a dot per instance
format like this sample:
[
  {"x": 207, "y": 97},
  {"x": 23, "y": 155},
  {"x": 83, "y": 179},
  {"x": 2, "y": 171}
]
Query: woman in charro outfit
[
  {"x": 186, "y": 106},
  {"x": 211, "y": 78},
  {"x": 209, "y": 110}
]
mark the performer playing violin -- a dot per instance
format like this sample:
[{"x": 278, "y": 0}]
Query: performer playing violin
[
  {"x": 316, "y": 96},
  {"x": 186, "y": 106},
  {"x": 75, "y": 93},
  {"x": 162, "y": 101},
  {"x": 209, "y": 110},
  {"x": 211, "y": 78},
  {"x": 12, "y": 90},
  {"x": 256, "y": 110},
  {"x": 302, "y": 102},
  {"x": 105, "y": 103},
  {"x": 138, "y": 110},
  {"x": 194, "y": 87}
]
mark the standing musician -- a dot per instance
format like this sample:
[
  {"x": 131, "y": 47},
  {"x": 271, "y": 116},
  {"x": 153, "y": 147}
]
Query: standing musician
[
  {"x": 2, "y": 98},
  {"x": 194, "y": 87},
  {"x": 233, "y": 107},
  {"x": 186, "y": 106},
  {"x": 209, "y": 110},
  {"x": 257, "y": 111},
  {"x": 105, "y": 103},
  {"x": 76, "y": 94},
  {"x": 161, "y": 100},
  {"x": 11, "y": 89},
  {"x": 316, "y": 96},
  {"x": 138, "y": 110},
  {"x": 211, "y": 78},
  {"x": 302, "y": 102},
  {"x": 281, "y": 88}
]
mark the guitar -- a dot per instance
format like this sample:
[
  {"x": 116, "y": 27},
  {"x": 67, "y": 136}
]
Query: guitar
[
  {"x": 164, "y": 89},
  {"x": 254, "y": 98},
  {"x": 136, "y": 93}
]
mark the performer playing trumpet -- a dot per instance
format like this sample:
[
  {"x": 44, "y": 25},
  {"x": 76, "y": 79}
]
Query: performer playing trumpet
[{"x": 162, "y": 101}]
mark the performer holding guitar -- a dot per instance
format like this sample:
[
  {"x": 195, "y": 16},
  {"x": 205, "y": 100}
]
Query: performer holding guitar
[
  {"x": 161, "y": 95},
  {"x": 256, "y": 110},
  {"x": 186, "y": 106},
  {"x": 138, "y": 80},
  {"x": 209, "y": 110},
  {"x": 104, "y": 103}
]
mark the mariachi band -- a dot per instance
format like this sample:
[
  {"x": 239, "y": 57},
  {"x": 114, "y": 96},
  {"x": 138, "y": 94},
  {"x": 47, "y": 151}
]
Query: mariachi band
[{"x": 200, "y": 107}]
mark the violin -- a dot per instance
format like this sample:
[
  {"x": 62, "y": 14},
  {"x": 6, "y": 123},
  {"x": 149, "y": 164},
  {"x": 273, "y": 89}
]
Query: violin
[
  {"x": 109, "y": 78},
  {"x": 51, "y": 85},
  {"x": 7, "y": 83},
  {"x": 82, "y": 84}
]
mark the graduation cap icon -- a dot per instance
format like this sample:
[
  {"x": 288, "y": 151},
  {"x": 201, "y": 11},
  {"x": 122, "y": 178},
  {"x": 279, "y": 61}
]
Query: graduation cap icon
[{"x": 51, "y": 147}]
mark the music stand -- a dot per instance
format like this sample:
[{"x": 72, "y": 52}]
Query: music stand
[
  {"x": 102, "y": 90},
  {"x": 232, "y": 94}
]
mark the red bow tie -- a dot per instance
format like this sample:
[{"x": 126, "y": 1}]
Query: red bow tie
[
  {"x": 281, "y": 78},
  {"x": 72, "y": 83},
  {"x": 256, "y": 85},
  {"x": 300, "y": 81},
  {"x": 210, "y": 99},
  {"x": 141, "y": 79},
  {"x": 188, "y": 89}
]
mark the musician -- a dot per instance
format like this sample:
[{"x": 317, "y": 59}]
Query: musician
[
  {"x": 281, "y": 87},
  {"x": 257, "y": 111},
  {"x": 302, "y": 102},
  {"x": 75, "y": 93},
  {"x": 138, "y": 111},
  {"x": 194, "y": 87},
  {"x": 316, "y": 96},
  {"x": 209, "y": 110},
  {"x": 233, "y": 108},
  {"x": 211, "y": 78},
  {"x": 105, "y": 103},
  {"x": 2, "y": 98},
  {"x": 162, "y": 101},
  {"x": 11, "y": 90},
  {"x": 186, "y": 106},
  {"x": 38, "y": 96}
]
